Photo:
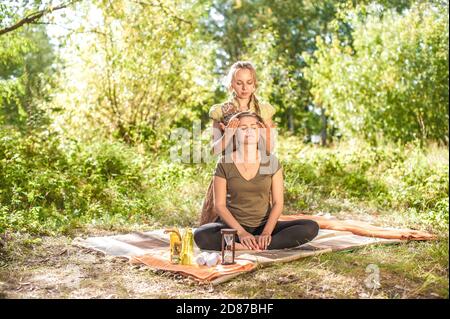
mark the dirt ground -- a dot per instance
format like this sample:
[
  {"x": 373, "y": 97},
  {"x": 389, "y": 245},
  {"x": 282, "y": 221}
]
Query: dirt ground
[{"x": 56, "y": 269}]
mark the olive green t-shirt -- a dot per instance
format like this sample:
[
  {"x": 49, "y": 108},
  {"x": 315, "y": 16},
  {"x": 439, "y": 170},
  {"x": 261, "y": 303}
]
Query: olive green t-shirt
[{"x": 249, "y": 200}]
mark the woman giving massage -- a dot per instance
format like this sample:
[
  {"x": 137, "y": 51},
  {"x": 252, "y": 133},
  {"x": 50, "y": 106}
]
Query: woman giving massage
[
  {"x": 242, "y": 84},
  {"x": 243, "y": 181}
]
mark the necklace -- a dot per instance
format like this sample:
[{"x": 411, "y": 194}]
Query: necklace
[{"x": 247, "y": 167}]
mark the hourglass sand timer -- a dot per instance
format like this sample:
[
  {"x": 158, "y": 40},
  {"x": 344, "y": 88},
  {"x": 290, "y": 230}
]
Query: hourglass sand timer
[{"x": 228, "y": 245}]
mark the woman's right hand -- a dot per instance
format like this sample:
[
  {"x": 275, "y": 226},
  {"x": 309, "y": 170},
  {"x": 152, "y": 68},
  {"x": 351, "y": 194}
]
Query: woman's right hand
[
  {"x": 248, "y": 240},
  {"x": 231, "y": 126}
]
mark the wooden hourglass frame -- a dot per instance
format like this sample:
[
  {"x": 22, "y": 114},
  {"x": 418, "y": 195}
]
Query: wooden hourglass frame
[{"x": 228, "y": 245}]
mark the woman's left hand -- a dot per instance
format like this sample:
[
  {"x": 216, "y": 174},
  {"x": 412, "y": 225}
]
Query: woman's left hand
[
  {"x": 263, "y": 125},
  {"x": 264, "y": 240}
]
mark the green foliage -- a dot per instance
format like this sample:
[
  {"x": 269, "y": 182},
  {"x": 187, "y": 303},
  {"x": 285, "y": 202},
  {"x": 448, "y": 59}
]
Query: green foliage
[
  {"x": 138, "y": 76},
  {"x": 27, "y": 66},
  {"x": 391, "y": 177},
  {"x": 45, "y": 189},
  {"x": 51, "y": 185},
  {"x": 393, "y": 82}
]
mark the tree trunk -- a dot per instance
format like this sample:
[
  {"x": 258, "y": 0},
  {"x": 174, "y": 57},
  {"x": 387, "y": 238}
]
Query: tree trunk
[
  {"x": 323, "y": 132},
  {"x": 290, "y": 120}
]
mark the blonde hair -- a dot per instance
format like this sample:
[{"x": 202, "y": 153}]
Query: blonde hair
[{"x": 232, "y": 73}]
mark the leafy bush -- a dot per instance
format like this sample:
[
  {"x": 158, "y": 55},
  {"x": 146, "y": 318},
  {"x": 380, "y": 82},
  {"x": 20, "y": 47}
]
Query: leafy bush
[
  {"x": 391, "y": 178},
  {"x": 392, "y": 81},
  {"x": 45, "y": 187}
]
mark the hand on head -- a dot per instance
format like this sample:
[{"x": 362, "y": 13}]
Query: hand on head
[
  {"x": 261, "y": 124},
  {"x": 233, "y": 124}
]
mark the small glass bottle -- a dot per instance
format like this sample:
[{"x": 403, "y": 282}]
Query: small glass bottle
[
  {"x": 187, "y": 250},
  {"x": 228, "y": 245},
  {"x": 175, "y": 245}
]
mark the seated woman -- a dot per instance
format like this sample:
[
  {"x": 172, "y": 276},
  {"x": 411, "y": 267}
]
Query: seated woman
[{"x": 243, "y": 181}]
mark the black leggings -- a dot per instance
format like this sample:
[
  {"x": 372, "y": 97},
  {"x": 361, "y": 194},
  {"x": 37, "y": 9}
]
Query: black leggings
[{"x": 286, "y": 234}]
